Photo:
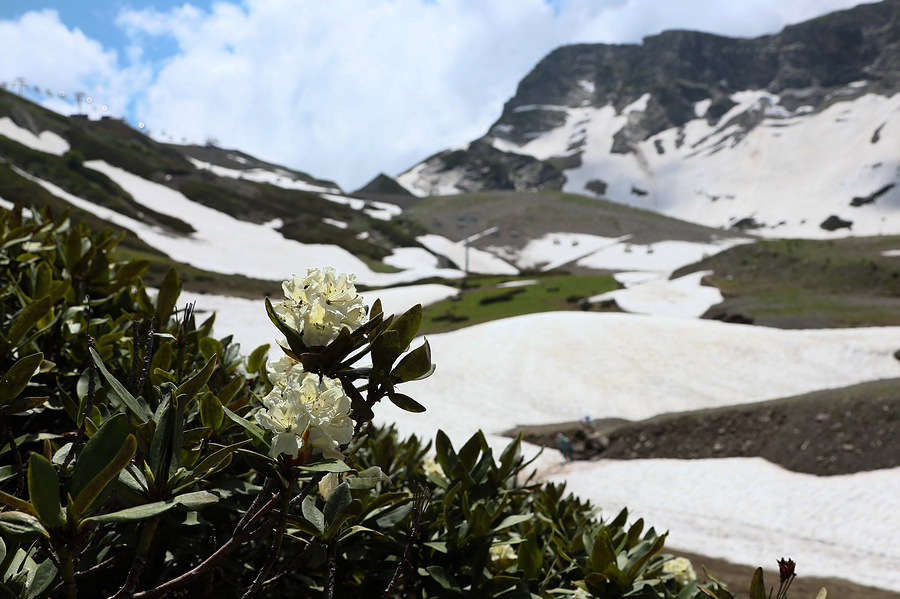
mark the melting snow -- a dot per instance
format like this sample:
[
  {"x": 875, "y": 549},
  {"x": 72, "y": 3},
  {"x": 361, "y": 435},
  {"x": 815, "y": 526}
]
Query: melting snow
[
  {"x": 225, "y": 244},
  {"x": 689, "y": 172},
  {"x": 683, "y": 297},
  {"x": 335, "y": 223},
  {"x": 411, "y": 258},
  {"x": 47, "y": 141},
  {"x": 479, "y": 260},
  {"x": 635, "y": 367},
  {"x": 258, "y": 175}
]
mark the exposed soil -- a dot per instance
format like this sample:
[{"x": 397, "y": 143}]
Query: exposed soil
[{"x": 824, "y": 433}]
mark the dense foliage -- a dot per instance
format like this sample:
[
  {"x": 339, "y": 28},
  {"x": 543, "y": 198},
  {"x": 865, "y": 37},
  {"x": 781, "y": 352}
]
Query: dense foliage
[{"x": 142, "y": 457}]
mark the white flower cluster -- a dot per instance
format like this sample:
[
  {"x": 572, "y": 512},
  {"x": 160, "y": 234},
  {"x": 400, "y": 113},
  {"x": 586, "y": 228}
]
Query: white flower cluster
[
  {"x": 302, "y": 401},
  {"x": 502, "y": 555},
  {"x": 681, "y": 569},
  {"x": 320, "y": 305},
  {"x": 431, "y": 467}
]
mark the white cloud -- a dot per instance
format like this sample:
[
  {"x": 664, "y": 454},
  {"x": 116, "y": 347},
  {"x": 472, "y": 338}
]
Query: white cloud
[
  {"x": 45, "y": 52},
  {"x": 347, "y": 88}
]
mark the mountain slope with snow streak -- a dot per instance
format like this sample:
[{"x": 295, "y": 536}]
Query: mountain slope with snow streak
[{"x": 795, "y": 134}]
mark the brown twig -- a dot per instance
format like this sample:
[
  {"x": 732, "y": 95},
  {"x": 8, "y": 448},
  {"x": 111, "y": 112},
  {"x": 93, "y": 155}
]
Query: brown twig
[
  {"x": 140, "y": 560},
  {"x": 285, "y": 496},
  {"x": 17, "y": 457},
  {"x": 420, "y": 501},
  {"x": 332, "y": 567},
  {"x": 240, "y": 536},
  {"x": 85, "y": 414}
]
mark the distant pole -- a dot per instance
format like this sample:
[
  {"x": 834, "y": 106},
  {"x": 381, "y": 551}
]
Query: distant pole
[
  {"x": 21, "y": 82},
  {"x": 79, "y": 96},
  {"x": 464, "y": 222}
]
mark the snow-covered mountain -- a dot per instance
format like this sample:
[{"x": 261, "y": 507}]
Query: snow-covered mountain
[{"x": 792, "y": 134}]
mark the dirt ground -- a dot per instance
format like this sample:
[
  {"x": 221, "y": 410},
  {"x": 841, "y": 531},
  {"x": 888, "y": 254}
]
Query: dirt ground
[{"x": 824, "y": 433}]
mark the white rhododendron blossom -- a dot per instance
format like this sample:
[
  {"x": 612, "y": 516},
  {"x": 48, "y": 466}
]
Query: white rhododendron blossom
[
  {"x": 502, "y": 555},
  {"x": 681, "y": 569},
  {"x": 431, "y": 467},
  {"x": 321, "y": 304},
  {"x": 302, "y": 401}
]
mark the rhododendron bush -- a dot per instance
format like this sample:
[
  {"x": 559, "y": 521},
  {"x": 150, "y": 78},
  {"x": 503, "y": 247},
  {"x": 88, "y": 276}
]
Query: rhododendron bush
[{"x": 142, "y": 457}]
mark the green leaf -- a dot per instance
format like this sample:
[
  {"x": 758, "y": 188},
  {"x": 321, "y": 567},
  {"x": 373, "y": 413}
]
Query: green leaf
[
  {"x": 530, "y": 557},
  {"x": 405, "y": 402},
  {"x": 148, "y": 510},
  {"x": 257, "y": 358},
  {"x": 385, "y": 350},
  {"x": 339, "y": 499},
  {"x": 445, "y": 454},
  {"x": 757, "y": 585},
  {"x": 210, "y": 348},
  {"x": 637, "y": 563},
  {"x": 511, "y": 521},
  {"x": 313, "y": 514},
  {"x": 230, "y": 389},
  {"x": 443, "y": 578},
  {"x": 368, "y": 478},
  {"x": 195, "y": 500},
  {"x": 43, "y": 489},
  {"x": 326, "y": 466},
  {"x": 213, "y": 462},
  {"x": 119, "y": 391},
  {"x": 107, "y": 441},
  {"x": 259, "y": 462},
  {"x": 164, "y": 456},
  {"x": 407, "y": 326},
  {"x": 27, "y": 318},
  {"x": 255, "y": 432},
  {"x": 44, "y": 576},
  {"x": 415, "y": 365},
  {"x": 168, "y": 295},
  {"x": 17, "y": 503},
  {"x": 192, "y": 386},
  {"x": 16, "y": 378},
  {"x": 211, "y": 412},
  {"x": 128, "y": 272},
  {"x": 21, "y": 527},
  {"x": 603, "y": 554},
  {"x": 95, "y": 487},
  {"x": 22, "y": 404}
]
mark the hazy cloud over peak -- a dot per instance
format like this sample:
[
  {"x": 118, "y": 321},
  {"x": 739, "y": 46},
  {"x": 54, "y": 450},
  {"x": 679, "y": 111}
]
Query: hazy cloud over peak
[{"x": 342, "y": 89}]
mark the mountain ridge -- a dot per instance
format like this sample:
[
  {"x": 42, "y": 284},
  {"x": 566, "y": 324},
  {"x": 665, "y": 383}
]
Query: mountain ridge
[{"x": 639, "y": 124}]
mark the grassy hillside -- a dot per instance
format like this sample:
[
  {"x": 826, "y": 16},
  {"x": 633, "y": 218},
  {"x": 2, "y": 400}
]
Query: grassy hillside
[
  {"x": 796, "y": 283},
  {"x": 483, "y": 299},
  {"x": 522, "y": 216}
]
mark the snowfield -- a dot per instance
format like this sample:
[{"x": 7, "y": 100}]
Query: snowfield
[{"x": 559, "y": 367}]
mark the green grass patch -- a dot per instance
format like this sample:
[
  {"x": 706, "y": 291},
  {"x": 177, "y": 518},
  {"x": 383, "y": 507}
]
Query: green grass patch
[
  {"x": 801, "y": 282},
  {"x": 482, "y": 300}
]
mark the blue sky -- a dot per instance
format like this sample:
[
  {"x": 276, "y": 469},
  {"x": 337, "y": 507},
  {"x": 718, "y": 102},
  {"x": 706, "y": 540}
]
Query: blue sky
[{"x": 342, "y": 89}]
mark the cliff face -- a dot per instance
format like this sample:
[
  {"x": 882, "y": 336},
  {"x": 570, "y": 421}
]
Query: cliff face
[
  {"x": 680, "y": 68},
  {"x": 777, "y": 134}
]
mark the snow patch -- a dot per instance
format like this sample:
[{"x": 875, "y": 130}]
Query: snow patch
[
  {"x": 335, "y": 223},
  {"x": 47, "y": 141},
  {"x": 479, "y": 261},
  {"x": 702, "y": 107},
  {"x": 411, "y": 258},
  {"x": 683, "y": 297},
  {"x": 279, "y": 178}
]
